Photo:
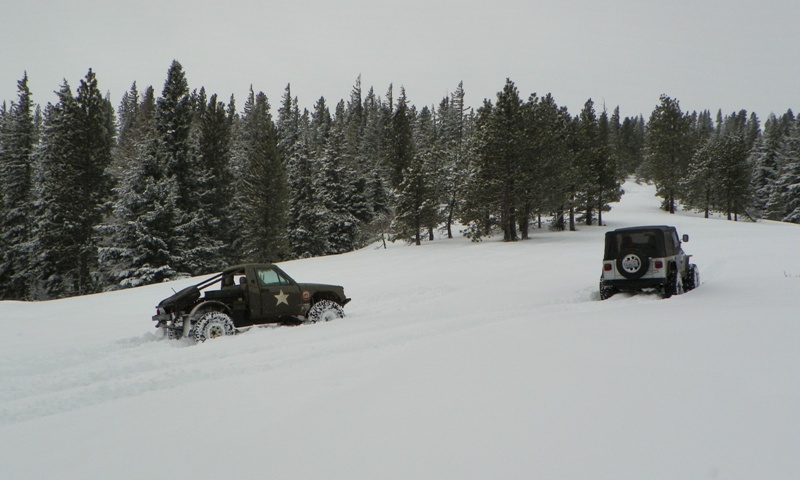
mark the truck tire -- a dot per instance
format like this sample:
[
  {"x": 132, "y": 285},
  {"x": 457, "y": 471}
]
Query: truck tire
[
  {"x": 325, "y": 311},
  {"x": 674, "y": 285},
  {"x": 692, "y": 279},
  {"x": 213, "y": 325}
]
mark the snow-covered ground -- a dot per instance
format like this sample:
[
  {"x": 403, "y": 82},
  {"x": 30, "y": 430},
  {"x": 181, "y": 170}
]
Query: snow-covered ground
[{"x": 457, "y": 360}]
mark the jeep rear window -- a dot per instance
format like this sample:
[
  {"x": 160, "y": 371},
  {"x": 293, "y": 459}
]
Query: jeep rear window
[{"x": 648, "y": 242}]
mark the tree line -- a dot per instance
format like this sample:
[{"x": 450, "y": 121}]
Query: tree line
[{"x": 96, "y": 198}]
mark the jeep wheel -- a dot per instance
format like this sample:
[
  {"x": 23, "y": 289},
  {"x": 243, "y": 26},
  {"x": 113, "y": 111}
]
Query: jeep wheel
[
  {"x": 632, "y": 264},
  {"x": 674, "y": 285},
  {"x": 692, "y": 279},
  {"x": 213, "y": 325},
  {"x": 606, "y": 292},
  {"x": 173, "y": 334},
  {"x": 325, "y": 311}
]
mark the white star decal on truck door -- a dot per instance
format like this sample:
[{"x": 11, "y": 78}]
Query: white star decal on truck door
[{"x": 282, "y": 298}]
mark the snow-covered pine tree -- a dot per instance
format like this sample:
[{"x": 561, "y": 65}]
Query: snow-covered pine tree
[
  {"x": 668, "y": 149},
  {"x": 333, "y": 189},
  {"x": 494, "y": 190},
  {"x": 18, "y": 138},
  {"x": 735, "y": 174},
  {"x": 211, "y": 160},
  {"x": 418, "y": 194},
  {"x": 480, "y": 203},
  {"x": 400, "y": 150},
  {"x": 372, "y": 154},
  {"x": 588, "y": 160},
  {"x": 631, "y": 144},
  {"x": 306, "y": 233},
  {"x": 138, "y": 239},
  {"x": 173, "y": 124},
  {"x": 456, "y": 127},
  {"x": 358, "y": 165},
  {"x": 73, "y": 189},
  {"x": 500, "y": 157},
  {"x": 262, "y": 196},
  {"x": 292, "y": 131},
  {"x": 608, "y": 186},
  {"x": 766, "y": 168},
  {"x": 128, "y": 130},
  {"x": 548, "y": 128},
  {"x": 784, "y": 203},
  {"x": 598, "y": 176},
  {"x": 174, "y": 117},
  {"x": 698, "y": 187}
]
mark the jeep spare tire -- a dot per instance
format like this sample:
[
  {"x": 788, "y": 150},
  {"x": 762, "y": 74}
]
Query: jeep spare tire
[{"x": 632, "y": 264}]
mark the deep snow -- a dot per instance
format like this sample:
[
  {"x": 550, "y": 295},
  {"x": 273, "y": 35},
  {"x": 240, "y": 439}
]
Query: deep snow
[{"x": 457, "y": 360}]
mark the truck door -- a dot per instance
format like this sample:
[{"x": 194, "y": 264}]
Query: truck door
[{"x": 280, "y": 296}]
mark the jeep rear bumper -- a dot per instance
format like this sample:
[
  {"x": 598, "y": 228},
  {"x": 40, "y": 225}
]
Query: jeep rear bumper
[{"x": 635, "y": 284}]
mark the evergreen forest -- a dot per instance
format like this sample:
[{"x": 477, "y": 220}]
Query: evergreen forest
[{"x": 182, "y": 183}]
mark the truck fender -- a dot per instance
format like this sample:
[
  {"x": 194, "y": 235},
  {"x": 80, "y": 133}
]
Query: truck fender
[{"x": 209, "y": 306}]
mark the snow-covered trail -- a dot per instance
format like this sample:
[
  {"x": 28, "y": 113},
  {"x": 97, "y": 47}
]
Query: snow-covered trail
[{"x": 456, "y": 360}]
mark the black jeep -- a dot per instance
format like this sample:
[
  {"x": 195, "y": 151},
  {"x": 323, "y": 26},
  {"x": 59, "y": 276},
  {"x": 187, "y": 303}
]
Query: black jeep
[
  {"x": 251, "y": 294},
  {"x": 647, "y": 258}
]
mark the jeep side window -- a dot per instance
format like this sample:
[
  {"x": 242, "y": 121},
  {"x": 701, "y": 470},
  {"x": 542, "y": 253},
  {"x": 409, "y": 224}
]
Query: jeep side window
[
  {"x": 676, "y": 241},
  {"x": 271, "y": 277}
]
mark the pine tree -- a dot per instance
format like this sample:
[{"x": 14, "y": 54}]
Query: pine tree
[
  {"x": 333, "y": 190},
  {"x": 631, "y": 145},
  {"x": 139, "y": 238},
  {"x": 596, "y": 164},
  {"x": 719, "y": 174},
  {"x": 173, "y": 123},
  {"x": 766, "y": 167},
  {"x": 784, "y": 203},
  {"x": 214, "y": 189},
  {"x": 173, "y": 148},
  {"x": 261, "y": 194},
  {"x": 372, "y": 154},
  {"x": 668, "y": 149},
  {"x": 18, "y": 132},
  {"x": 735, "y": 173},
  {"x": 358, "y": 165},
  {"x": 307, "y": 216},
  {"x": 699, "y": 186},
  {"x": 306, "y": 235},
  {"x": 73, "y": 190},
  {"x": 531, "y": 163},
  {"x": 417, "y": 195},
  {"x": 456, "y": 134},
  {"x": 478, "y": 212},
  {"x": 606, "y": 173},
  {"x": 549, "y": 130},
  {"x": 589, "y": 159},
  {"x": 293, "y": 131},
  {"x": 400, "y": 145},
  {"x": 506, "y": 136}
]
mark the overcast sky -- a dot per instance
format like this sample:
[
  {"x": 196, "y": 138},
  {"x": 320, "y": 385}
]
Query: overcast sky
[{"x": 709, "y": 54}]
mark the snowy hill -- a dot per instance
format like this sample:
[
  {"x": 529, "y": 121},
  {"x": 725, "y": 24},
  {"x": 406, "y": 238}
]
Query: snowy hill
[{"x": 457, "y": 360}]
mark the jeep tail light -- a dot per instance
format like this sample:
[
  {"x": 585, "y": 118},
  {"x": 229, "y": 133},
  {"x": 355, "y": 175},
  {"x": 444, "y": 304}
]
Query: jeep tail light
[
  {"x": 659, "y": 264},
  {"x": 607, "y": 267}
]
